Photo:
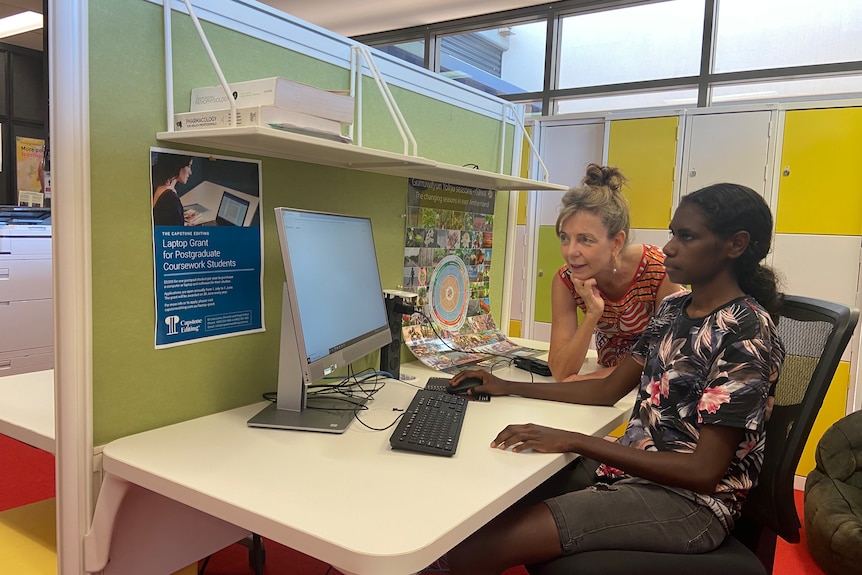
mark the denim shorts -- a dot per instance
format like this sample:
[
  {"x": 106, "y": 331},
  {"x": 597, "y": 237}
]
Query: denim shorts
[{"x": 633, "y": 516}]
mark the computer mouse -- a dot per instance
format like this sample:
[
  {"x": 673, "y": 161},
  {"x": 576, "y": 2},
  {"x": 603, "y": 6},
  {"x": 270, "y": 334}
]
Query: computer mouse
[{"x": 462, "y": 387}]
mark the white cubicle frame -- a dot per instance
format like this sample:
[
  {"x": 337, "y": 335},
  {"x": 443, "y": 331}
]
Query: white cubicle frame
[
  {"x": 68, "y": 78},
  {"x": 68, "y": 73}
]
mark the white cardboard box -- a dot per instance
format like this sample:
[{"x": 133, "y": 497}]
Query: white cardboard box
[
  {"x": 272, "y": 116},
  {"x": 279, "y": 92}
]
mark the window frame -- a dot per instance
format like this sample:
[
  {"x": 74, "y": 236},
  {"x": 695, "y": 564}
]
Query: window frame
[{"x": 552, "y": 15}]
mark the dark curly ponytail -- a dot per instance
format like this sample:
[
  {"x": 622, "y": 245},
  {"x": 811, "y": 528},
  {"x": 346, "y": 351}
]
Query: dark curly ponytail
[{"x": 730, "y": 208}]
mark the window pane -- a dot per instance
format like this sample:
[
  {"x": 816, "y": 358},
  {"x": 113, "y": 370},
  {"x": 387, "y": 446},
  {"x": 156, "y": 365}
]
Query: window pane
[
  {"x": 533, "y": 109},
  {"x": 665, "y": 99},
  {"x": 508, "y": 60},
  {"x": 778, "y": 33},
  {"x": 413, "y": 52},
  {"x": 788, "y": 89},
  {"x": 649, "y": 42}
]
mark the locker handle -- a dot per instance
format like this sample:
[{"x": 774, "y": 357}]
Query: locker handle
[
  {"x": 6, "y": 364},
  {"x": 4, "y": 273},
  {"x": 3, "y": 303}
]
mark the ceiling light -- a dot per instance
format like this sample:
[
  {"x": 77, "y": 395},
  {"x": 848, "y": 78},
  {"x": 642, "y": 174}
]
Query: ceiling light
[{"x": 20, "y": 23}]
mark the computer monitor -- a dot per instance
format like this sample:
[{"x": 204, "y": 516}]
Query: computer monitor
[{"x": 333, "y": 313}]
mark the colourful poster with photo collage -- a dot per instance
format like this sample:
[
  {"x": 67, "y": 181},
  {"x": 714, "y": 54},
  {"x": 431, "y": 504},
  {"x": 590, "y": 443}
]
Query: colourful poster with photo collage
[
  {"x": 447, "y": 262},
  {"x": 445, "y": 220}
]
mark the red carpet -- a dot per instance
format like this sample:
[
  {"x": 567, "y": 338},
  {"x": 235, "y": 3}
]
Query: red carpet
[
  {"x": 794, "y": 559},
  {"x": 27, "y": 476}
]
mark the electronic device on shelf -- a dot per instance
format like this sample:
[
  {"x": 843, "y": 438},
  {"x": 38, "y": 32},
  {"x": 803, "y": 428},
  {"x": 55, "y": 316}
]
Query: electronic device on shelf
[
  {"x": 431, "y": 424},
  {"x": 332, "y": 314}
]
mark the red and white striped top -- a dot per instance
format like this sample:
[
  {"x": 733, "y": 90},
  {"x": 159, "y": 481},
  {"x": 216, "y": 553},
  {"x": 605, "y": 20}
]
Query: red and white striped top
[{"x": 624, "y": 320}]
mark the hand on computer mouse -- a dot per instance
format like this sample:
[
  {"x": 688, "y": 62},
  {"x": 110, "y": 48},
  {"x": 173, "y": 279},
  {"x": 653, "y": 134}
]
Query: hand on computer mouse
[
  {"x": 465, "y": 385},
  {"x": 487, "y": 383}
]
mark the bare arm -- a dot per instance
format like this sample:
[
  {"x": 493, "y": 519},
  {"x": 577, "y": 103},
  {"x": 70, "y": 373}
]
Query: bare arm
[
  {"x": 569, "y": 339},
  {"x": 599, "y": 373},
  {"x": 699, "y": 471},
  {"x": 604, "y": 391}
]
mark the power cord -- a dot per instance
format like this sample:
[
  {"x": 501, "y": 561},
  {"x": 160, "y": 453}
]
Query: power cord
[{"x": 359, "y": 386}]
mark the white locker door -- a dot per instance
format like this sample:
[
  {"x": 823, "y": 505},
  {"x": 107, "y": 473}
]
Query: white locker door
[
  {"x": 727, "y": 147},
  {"x": 566, "y": 148}
]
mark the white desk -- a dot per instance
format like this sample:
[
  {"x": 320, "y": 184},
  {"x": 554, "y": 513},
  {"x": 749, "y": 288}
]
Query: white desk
[
  {"x": 27, "y": 408},
  {"x": 345, "y": 499}
]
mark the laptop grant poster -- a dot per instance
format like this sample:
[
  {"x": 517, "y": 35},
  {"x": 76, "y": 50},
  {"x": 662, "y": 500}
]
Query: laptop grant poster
[{"x": 207, "y": 246}]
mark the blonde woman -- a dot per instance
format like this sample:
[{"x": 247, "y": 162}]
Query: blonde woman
[{"x": 615, "y": 284}]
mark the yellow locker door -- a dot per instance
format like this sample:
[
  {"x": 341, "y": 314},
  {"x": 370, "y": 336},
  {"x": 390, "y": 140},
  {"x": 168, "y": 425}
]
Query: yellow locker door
[
  {"x": 833, "y": 409},
  {"x": 820, "y": 189},
  {"x": 644, "y": 149}
]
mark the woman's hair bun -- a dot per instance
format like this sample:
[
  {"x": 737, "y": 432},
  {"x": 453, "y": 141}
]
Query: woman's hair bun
[{"x": 604, "y": 176}]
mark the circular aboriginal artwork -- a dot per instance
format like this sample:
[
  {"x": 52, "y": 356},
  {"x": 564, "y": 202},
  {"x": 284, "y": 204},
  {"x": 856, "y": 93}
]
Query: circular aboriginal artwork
[{"x": 448, "y": 292}]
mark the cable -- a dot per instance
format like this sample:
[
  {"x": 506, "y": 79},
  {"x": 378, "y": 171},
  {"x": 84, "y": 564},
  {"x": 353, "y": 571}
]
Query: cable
[
  {"x": 346, "y": 389},
  {"x": 411, "y": 384},
  {"x": 365, "y": 425}
]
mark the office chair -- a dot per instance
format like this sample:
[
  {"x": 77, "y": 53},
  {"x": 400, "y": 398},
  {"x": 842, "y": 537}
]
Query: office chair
[{"x": 815, "y": 334}]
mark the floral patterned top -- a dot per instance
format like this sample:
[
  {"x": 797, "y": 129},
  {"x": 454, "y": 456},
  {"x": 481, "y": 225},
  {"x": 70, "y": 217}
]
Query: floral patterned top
[
  {"x": 718, "y": 369},
  {"x": 623, "y": 321}
]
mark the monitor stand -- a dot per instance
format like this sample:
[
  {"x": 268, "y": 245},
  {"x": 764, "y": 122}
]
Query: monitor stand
[
  {"x": 332, "y": 413},
  {"x": 295, "y": 407}
]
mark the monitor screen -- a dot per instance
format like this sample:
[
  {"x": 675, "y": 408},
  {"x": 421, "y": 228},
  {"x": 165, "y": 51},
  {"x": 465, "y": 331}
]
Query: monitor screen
[{"x": 333, "y": 313}]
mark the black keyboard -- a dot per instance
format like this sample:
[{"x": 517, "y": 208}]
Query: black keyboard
[{"x": 431, "y": 424}]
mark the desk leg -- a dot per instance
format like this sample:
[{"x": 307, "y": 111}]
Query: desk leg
[{"x": 138, "y": 532}]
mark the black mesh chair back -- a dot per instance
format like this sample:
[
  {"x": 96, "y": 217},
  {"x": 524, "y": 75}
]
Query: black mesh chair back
[{"x": 814, "y": 333}]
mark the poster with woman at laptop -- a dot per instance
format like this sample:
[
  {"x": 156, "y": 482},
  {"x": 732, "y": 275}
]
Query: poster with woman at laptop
[{"x": 207, "y": 246}]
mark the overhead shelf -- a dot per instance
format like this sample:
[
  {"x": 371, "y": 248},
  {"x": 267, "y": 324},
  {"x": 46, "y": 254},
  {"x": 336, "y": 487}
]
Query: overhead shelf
[{"x": 262, "y": 140}]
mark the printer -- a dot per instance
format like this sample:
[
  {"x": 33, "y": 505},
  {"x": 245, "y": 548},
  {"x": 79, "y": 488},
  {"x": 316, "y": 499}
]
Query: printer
[{"x": 26, "y": 290}]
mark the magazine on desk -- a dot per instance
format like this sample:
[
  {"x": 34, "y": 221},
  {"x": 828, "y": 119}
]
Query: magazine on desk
[{"x": 478, "y": 343}]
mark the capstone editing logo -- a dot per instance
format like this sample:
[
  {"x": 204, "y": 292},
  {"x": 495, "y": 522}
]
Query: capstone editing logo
[{"x": 171, "y": 321}]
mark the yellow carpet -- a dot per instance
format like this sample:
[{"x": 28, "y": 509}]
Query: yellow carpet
[{"x": 28, "y": 541}]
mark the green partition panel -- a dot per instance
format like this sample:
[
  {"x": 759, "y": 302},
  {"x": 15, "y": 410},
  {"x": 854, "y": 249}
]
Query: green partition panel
[{"x": 136, "y": 387}]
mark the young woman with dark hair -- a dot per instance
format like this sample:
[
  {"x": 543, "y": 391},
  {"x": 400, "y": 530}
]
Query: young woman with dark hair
[{"x": 705, "y": 368}]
